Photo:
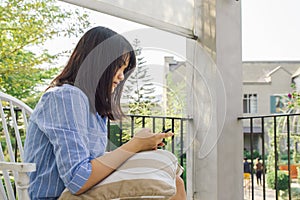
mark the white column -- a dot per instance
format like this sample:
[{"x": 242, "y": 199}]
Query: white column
[{"x": 215, "y": 154}]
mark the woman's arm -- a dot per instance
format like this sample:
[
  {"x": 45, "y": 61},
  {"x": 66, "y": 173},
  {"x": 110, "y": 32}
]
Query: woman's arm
[{"x": 108, "y": 163}]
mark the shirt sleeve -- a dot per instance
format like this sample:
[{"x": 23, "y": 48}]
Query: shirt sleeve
[{"x": 64, "y": 120}]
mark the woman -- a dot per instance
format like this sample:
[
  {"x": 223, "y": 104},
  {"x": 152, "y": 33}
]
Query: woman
[{"x": 67, "y": 134}]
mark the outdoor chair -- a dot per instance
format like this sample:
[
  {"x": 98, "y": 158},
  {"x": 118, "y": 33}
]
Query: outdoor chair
[{"x": 14, "y": 180}]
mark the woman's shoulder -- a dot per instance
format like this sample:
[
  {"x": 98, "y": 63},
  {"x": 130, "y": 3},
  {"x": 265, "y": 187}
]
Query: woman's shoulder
[
  {"x": 65, "y": 90},
  {"x": 65, "y": 93}
]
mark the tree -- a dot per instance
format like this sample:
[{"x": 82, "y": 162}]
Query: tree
[
  {"x": 291, "y": 104},
  {"x": 176, "y": 96},
  {"x": 26, "y": 24},
  {"x": 140, "y": 91}
]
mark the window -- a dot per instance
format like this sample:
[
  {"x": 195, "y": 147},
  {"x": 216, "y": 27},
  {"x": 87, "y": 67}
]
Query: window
[
  {"x": 276, "y": 103},
  {"x": 250, "y": 103}
]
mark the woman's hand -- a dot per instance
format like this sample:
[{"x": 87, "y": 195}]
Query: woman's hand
[
  {"x": 106, "y": 164},
  {"x": 145, "y": 140}
]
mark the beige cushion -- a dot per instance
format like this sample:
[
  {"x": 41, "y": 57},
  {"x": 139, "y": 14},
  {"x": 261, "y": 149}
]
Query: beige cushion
[{"x": 146, "y": 175}]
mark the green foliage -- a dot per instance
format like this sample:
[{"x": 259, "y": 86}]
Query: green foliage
[
  {"x": 293, "y": 106},
  {"x": 176, "y": 96},
  {"x": 296, "y": 157},
  {"x": 13, "y": 143},
  {"x": 279, "y": 137},
  {"x": 295, "y": 194},
  {"x": 293, "y": 99},
  {"x": 282, "y": 180},
  {"x": 12, "y": 131},
  {"x": 12, "y": 180},
  {"x": 184, "y": 166},
  {"x": 284, "y": 156},
  {"x": 247, "y": 154},
  {"x": 298, "y": 169},
  {"x": 114, "y": 137},
  {"x": 25, "y": 26}
]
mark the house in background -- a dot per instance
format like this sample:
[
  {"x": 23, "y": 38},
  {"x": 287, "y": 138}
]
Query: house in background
[
  {"x": 265, "y": 86},
  {"x": 296, "y": 79}
]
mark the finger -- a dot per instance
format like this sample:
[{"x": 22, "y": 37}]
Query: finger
[
  {"x": 144, "y": 133},
  {"x": 169, "y": 134},
  {"x": 161, "y": 144},
  {"x": 161, "y": 136}
]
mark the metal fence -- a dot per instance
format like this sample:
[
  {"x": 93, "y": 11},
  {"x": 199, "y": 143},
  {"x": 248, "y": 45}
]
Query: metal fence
[
  {"x": 278, "y": 133},
  {"x": 121, "y": 131}
]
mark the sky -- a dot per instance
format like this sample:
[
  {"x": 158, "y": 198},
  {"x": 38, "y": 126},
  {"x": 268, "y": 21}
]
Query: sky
[{"x": 270, "y": 30}]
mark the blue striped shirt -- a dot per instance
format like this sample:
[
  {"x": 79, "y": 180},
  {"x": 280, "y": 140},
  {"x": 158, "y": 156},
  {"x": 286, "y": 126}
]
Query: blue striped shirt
[{"x": 62, "y": 138}]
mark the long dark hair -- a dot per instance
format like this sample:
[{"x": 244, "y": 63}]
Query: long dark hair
[{"x": 92, "y": 66}]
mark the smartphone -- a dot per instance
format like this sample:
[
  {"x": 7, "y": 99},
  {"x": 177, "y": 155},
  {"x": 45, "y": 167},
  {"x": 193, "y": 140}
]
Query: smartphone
[{"x": 167, "y": 130}]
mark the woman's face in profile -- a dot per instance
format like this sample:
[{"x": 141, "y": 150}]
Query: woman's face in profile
[{"x": 119, "y": 75}]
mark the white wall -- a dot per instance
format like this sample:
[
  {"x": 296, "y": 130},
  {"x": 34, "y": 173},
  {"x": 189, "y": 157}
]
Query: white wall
[
  {"x": 175, "y": 16},
  {"x": 215, "y": 155}
]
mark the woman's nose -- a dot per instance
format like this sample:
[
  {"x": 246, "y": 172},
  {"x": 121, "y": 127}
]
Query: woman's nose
[{"x": 121, "y": 76}]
